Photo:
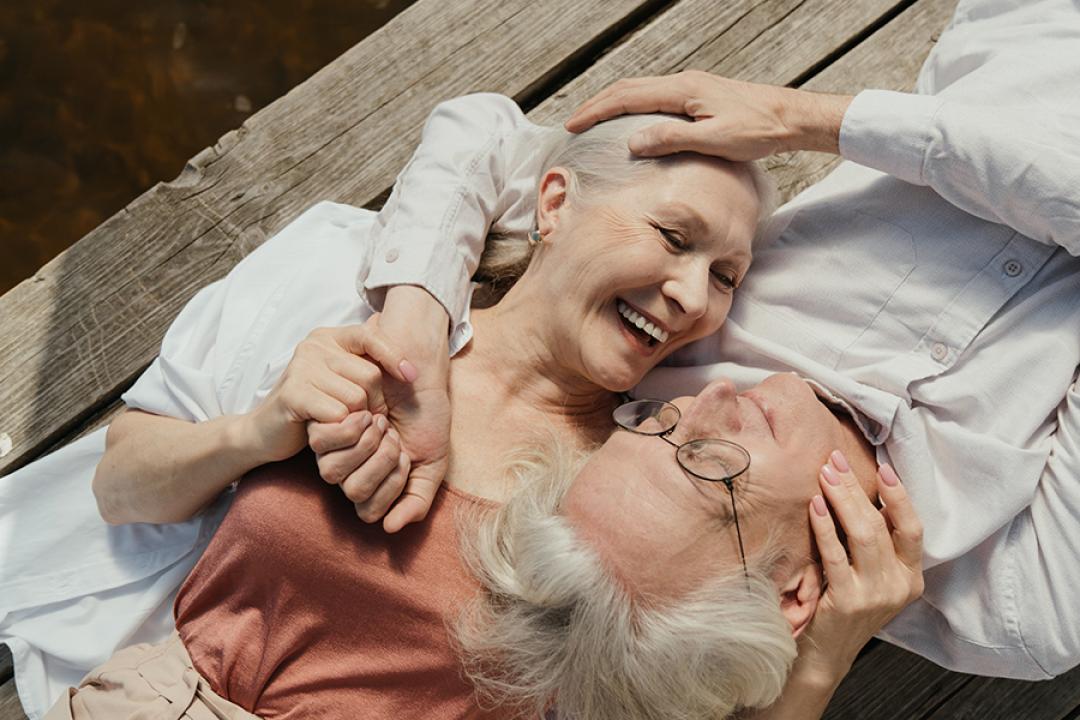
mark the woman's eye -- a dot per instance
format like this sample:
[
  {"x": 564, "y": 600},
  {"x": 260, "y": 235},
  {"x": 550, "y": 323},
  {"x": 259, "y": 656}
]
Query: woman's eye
[
  {"x": 726, "y": 281},
  {"x": 672, "y": 238}
]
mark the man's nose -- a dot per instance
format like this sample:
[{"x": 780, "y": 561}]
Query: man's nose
[{"x": 715, "y": 411}]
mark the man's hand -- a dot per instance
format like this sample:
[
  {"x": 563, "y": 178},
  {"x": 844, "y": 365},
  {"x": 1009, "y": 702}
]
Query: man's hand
[{"x": 732, "y": 119}]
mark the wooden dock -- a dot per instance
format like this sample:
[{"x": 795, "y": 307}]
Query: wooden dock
[{"x": 80, "y": 331}]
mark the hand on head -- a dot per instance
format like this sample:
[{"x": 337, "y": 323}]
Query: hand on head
[{"x": 732, "y": 119}]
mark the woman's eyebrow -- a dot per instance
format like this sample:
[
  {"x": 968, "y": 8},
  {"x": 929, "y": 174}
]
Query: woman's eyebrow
[{"x": 689, "y": 216}]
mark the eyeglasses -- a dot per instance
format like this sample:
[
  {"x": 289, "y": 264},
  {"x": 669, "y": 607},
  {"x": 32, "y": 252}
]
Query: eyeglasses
[{"x": 709, "y": 459}]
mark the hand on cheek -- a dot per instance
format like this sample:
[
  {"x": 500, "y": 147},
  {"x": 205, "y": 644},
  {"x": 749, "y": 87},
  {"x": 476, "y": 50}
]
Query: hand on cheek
[{"x": 879, "y": 572}]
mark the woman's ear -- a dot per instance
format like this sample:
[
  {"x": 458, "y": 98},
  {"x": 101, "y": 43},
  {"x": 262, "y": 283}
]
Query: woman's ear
[
  {"x": 551, "y": 199},
  {"x": 799, "y": 596}
]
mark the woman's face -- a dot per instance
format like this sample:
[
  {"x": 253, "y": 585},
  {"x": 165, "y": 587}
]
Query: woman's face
[
  {"x": 665, "y": 530},
  {"x": 647, "y": 269}
]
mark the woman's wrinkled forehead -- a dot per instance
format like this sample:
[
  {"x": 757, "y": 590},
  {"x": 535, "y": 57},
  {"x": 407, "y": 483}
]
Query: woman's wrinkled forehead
[{"x": 707, "y": 197}]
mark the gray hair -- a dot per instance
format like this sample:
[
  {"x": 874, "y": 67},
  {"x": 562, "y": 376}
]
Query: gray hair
[
  {"x": 552, "y": 626},
  {"x": 598, "y": 160}
]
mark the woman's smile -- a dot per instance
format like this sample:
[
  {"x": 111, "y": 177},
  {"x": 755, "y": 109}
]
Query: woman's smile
[{"x": 645, "y": 337}]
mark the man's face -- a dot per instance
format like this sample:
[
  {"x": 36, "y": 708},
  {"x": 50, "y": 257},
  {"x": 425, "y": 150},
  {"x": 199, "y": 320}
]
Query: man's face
[{"x": 664, "y": 530}]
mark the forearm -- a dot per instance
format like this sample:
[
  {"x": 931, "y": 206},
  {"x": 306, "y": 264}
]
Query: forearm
[
  {"x": 813, "y": 679},
  {"x": 813, "y": 120},
  {"x": 420, "y": 325},
  {"x": 806, "y": 695},
  {"x": 160, "y": 470}
]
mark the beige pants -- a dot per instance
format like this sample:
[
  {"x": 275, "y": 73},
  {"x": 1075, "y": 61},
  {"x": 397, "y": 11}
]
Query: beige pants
[{"x": 146, "y": 682}]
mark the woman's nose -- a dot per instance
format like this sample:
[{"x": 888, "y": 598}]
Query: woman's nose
[{"x": 690, "y": 291}]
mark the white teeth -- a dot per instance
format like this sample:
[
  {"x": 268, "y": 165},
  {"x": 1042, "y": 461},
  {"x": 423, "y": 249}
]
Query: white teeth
[{"x": 638, "y": 320}]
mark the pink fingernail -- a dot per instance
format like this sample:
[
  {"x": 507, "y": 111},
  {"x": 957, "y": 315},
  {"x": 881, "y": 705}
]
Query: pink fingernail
[
  {"x": 819, "y": 506},
  {"x": 408, "y": 370},
  {"x": 888, "y": 475},
  {"x": 365, "y": 419},
  {"x": 839, "y": 461},
  {"x": 830, "y": 475},
  {"x": 380, "y": 422}
]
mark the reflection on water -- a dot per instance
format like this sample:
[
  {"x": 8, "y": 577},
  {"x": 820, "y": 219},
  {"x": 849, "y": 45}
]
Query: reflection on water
[{"x": 101, "y": 99}]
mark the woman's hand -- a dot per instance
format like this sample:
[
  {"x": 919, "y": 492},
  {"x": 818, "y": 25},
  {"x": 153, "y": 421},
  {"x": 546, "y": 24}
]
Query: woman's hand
[
  {"x": 326, "y": 382},
  {"x": 391, "y": 461},
  {"x": 866, "y": 590},
  {"x": 732, "y": 119}
]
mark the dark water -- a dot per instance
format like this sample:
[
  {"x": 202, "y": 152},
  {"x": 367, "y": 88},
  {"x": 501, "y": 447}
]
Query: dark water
[{"x": 100, "y": 99}]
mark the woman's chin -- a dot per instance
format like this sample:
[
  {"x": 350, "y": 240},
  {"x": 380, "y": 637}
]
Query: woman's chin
[{"x": 620, "y": 378}]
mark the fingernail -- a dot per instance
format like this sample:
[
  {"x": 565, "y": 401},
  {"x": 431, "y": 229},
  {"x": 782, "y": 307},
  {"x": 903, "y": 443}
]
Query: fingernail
[
  {"x": 888, "y": 475},
  {"x": 365, "y": 419},
  {"x": 408, "y": 370},
  {"x": 830, "y": 475},
  {"x": 393, "y": 434},
  {"x": 839, "y": 461},
  {"x": 380, "y": 422},
  {"x": 819, "y": 506}
]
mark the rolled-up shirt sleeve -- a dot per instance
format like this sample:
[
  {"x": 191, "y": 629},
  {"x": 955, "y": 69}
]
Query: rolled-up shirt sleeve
[
  {"x": 995, "y": 125},
  {"x": 462, "y": 177},
  {"x": 1005, "y": 165}
]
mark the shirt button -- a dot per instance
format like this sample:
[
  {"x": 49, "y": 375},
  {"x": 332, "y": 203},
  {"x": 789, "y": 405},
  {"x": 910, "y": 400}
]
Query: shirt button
[
  {"x": 1013, "y": 268},
  {"x": 939, "y": 351},
  {"x": 391, "y": 255}
]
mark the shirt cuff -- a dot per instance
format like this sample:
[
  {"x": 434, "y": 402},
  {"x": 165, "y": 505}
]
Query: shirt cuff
[
  {"x": 890, "y": 131},
  {"x": 447, "y": 279}
]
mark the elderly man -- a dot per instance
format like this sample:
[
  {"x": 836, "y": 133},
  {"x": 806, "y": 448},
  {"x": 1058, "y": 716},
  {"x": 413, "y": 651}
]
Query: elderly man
[{"x": 927, "y": 290}]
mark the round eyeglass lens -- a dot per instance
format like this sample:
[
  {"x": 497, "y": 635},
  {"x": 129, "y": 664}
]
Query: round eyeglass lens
[
  {"x": 714, "y": 459},
  {"x": 647, "y": 417}
]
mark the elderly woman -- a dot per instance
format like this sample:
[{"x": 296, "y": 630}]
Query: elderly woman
[{"x": 298, "y": 610}]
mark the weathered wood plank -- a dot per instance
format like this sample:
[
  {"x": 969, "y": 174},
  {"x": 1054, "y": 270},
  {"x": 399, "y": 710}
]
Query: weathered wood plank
[
  {"x": 889, "y": 60},
  {"x": 6, "y": 667},
  {"x": 83, "y": 326},
  {"x": 10, "y": 707},
  {"x": 888, "y": 683},
  {"x": 995, "y": 699},
  {"x": 776, "y": 41}
]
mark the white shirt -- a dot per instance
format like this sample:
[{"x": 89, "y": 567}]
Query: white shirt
[{"x": 877, "y": 289}]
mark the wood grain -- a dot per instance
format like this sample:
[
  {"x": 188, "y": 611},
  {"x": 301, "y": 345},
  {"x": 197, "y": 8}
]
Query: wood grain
[
  {"x": 10, "y": 707},
  {"x": 889, "y": 60},
  {"x": 888, "y": 683}
]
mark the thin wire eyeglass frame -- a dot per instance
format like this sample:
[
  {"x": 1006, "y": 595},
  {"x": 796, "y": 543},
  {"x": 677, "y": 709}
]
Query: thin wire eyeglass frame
[{"x": 662, "y": 406}]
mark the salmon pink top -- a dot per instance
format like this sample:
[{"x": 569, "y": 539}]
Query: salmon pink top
[{"x": 298, "y": 609}]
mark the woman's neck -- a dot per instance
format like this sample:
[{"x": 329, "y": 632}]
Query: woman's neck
[{"x": 514, "y": 370}]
